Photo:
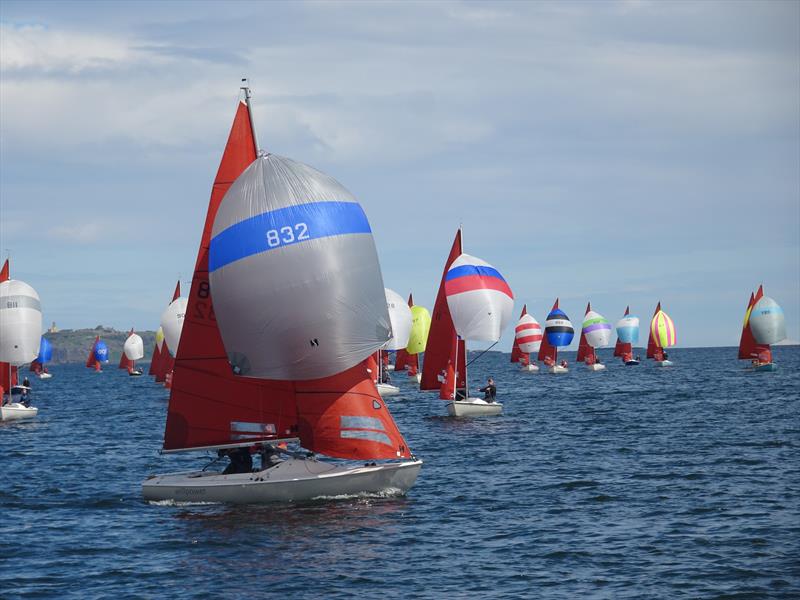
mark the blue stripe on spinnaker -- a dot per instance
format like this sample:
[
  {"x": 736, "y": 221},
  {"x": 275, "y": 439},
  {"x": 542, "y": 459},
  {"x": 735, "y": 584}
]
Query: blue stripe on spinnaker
[
  {"x": 466, "y": 270},
  {"x": 285, "y": 227}
]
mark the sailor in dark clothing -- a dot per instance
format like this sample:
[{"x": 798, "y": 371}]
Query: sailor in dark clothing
[
  {"x": 241, "y": 461},
  {"x": 489, "y": 391}
]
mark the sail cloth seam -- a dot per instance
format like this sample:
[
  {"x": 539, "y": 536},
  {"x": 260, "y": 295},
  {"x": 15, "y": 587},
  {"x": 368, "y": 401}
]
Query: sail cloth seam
[{"x": 285, "y": 227}]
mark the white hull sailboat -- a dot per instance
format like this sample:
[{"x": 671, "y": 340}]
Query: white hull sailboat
[
  {"x": 44, "y": 375},
  {"x": 387, "y": 389},
  {"x": 662, "y": 363},
  {"x": 292, "y": 480},
  {"x": 556, "y": 369},
  {"x": 530, "y": 368},
  {"x": 473, "y": 407},
  {"x": 15, "y": 409},
  {"x": 273, "y": 385},
  {"x": 596, "y": 367}
]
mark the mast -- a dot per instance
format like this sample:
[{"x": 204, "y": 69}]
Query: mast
[{"x": 247, "y": 95}]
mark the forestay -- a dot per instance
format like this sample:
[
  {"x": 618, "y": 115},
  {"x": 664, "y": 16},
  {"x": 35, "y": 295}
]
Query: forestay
[
  {"x": 479, "y": 299},
  {"x": 294, "y": 272}
]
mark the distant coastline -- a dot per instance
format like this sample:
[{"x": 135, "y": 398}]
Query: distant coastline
[{"x": 73, "y": 345}]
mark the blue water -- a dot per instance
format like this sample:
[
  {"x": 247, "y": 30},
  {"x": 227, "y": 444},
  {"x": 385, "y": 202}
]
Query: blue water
[{"x": 631, "y": 483}]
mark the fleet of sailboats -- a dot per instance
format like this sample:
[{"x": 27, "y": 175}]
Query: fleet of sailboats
[{"x": 280, "y": 351}]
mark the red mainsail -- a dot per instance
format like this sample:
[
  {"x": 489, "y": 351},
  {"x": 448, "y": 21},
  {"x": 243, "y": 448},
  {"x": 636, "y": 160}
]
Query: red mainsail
[
  {"x": 652, "y": 346},
  {"x": 441, "y": 349},
  {"x": 516, "y": 353},
  {"x": 548, "y": 354},
  {"x": 623, "y": 348},
  {"x": 747, "y": 343},
  {"x": 8, "y": 374},
  {"x": 124, "y": 361},
  {"x": 341, "y": 416},
  {"x": 585, "y": 351},
  {"x": 91, "y": 361}
]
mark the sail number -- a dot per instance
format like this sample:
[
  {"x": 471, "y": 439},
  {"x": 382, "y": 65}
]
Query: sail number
[{"x": 287, "y": 235}]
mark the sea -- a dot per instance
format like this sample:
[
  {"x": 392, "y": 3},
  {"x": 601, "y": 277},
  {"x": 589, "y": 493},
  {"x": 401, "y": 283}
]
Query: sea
[{"x": 635, "y": 482}]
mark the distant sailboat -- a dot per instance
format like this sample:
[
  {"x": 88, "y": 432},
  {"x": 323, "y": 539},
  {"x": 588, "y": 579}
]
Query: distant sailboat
[
  {"x": 627, "y": 335},
  {"x": 400, "y": 317},
  {"x": 558, "y": 333},
  {"x": 662, "y": 335},
  {"x": 132, "y": 350},
  {"x": 39, "y": 365},
  {"x": 162, "y": 362},
  {"x": 298, "y": 321},
  {"x": 406, "y": 360},
  {"x": 595, "y": 333},
  {"x": 527, "y": 339},
  {"x": 98, "y": 355},
  {"x": 21, "y": 327},
  {"x": 764, "y": 324},
  {"x": 479, "y": 303}
]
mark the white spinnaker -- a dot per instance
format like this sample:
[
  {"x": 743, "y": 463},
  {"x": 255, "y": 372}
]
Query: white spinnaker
[
  {"x": 294, "y": 273},
  {"x": 597, "y": 330},
  {"x": 20, "y": 322},
  {"x": 479, "y": 310},
  {"x": 767, "y": 322},
  {"x": 528, "y": 328},
  {"x": 134, "y": 347},
  {"x": 400, "y": 316},
  {"x": 172, "y": 323}
]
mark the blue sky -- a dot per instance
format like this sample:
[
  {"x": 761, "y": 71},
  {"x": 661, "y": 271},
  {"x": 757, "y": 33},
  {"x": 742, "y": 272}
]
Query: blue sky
[{"x": 618, "y": 152}]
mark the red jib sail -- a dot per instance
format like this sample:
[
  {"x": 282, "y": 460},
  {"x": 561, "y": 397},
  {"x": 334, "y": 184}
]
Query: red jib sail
[
  {"x": 441, "y": 349},
  {"x": 340, "y": 416},
  {"x": 585, "y": 351},
  {"x": 623, "y": 348},
  {"x": 167, "y": 361},
  {"x": 8, "y": 374},
  {"x": 652, "y": 346},
  {"x": 760, "y": 351},
  {"x": 402, "y": 359},
  {"x": 747, "y": 343},
  {"x": 91, "y": 361},
  {"x": 516, "y": 353},
  {"x": 548, "y": 354},
  {"x": 154, "y": 360}
]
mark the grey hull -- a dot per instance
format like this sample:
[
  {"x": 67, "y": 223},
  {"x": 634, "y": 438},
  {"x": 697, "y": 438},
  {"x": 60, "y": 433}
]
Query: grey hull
[{"x": 294, "y": 480}]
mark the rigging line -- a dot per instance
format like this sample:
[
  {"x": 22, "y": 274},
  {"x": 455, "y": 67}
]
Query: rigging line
[{"x": 482, "y": 353}]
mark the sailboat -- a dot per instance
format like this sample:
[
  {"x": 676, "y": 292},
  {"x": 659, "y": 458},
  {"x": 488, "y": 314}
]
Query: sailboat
[
  {"x": 417, "y": 339},
  {"x": 38, "y": 366},
  {"x": 97, "y": 355},
  {"x": 558, "y": 333},
  {"x": 662, "y": 335},
  {"x": 764, "y": 324},
  {"x": 172, "y": 325},
  {"x": 627, "y": 335},
  {"x": 474, "y": 302},
  {"x": 527, "y": 339},
  {"x": 277, "y": 330},
  {"x": 21, "y": 325},
  {"x": 132, "y": 350},
  {"x": 400, "y": 318},
  {"x": 162, "y": 362},
  {"x": 595, "y": 333}
]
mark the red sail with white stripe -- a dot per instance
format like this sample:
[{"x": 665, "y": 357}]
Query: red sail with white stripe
[{"x": 341, "y": 416}]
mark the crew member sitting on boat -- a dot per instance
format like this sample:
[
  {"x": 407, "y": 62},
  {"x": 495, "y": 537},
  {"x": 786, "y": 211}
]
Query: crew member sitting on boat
[
  {"x": 385, "y": 377},
  {"x": 564, "y": 363},
  {"x": 489, "y": 390},
  {"x": 269, "y": 457},
  {"x": 241, "y": 461}
]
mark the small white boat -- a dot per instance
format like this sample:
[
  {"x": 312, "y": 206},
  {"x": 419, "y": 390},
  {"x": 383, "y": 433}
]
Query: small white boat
[
  {"x": 631, "y": 363},
  {"x": 530, "y": 367},
  {"x": 596, "y": 367},
  {"x": 135, "y": 373},
  {"x": 554, "y": 369},
  {"x": 662, "y": 363},
  {"x": 13, "y": 408},
  {"x": 389, "y": 367},
  {"x": 44, "y": 375},
  {"x": 295, "y": 479},
  {"x": 473, "y": 407},
  {"x": 387, "y": 389}
]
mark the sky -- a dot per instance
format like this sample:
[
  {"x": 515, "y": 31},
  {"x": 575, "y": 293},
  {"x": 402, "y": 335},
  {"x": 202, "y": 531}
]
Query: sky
[{"x": 614, "y": 152}]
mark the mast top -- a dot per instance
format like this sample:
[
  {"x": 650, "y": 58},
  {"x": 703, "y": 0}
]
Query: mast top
[{"x": 245, "y": 87}]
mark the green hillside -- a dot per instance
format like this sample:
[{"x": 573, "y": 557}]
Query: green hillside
[{"x": 73, "y": 345}]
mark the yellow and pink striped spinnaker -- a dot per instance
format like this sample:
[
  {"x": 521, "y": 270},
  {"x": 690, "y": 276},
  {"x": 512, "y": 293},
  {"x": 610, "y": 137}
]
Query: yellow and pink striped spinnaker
[{"x": 663, "y": 330}]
